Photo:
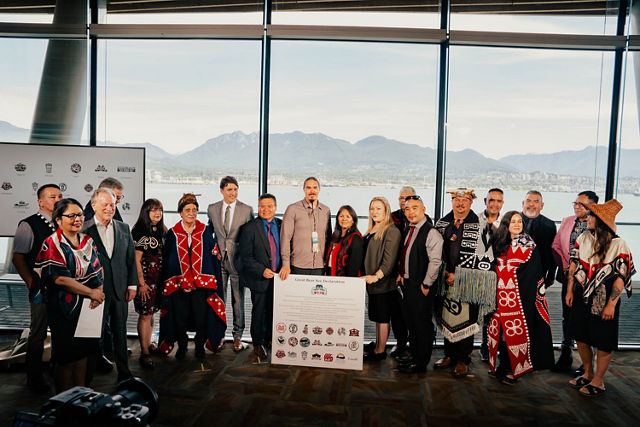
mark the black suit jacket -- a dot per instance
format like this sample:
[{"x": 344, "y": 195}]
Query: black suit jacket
[
  {"x": 120, "y": 269},
  {"x": 255, "y": 255},
  {"x": 543, "y": 230}
]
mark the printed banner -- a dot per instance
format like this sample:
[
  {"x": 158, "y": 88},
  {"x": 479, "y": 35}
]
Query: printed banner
[
  {"x": 77, "y": 169},
  {"x": 318, "y": 321}
]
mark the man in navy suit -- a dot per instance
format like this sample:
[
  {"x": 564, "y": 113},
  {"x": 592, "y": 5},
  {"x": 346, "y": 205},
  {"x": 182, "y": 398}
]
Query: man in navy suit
[
  {"x": 260, "y": 261},
  {"x": 117, "y": 257}
]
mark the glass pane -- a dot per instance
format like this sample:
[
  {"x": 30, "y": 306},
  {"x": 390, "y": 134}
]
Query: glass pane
[
  {"x": 193, "y": 104},
  {"x": 546, "y": 16},
  {"x": 20, "y": 74},
  {"x": 185, "y": 12},
  {"x": 358, "y": 116},
  {"x": 524, "y": 119},
  {"x": 412, "y": 14}
]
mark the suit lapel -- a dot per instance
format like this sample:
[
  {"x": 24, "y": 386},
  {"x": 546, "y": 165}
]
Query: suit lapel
[
  {"x": 217, "y": 211},
  {"x": 263, "y": 236},
  {"x": 93, "y": 232}
]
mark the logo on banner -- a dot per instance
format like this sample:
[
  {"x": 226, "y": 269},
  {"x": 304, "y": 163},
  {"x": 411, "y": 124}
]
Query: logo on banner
[
  {"x": 130, "y": 169},
  {"x": 317, "y": 330},
  {"x": 63, "y": 187},
  {"x": 304, "y": 355},
  {"x": 328, "y": 357},
  {"x": 305, "y": 342},
  {"x": 126, "y": 206},
  {"x": 293, "y": 328},
  {"x": 101, "y": 168},
  {"x": 48, "y": 167},
  {"x": 280, "y": 340},
  {"x": 76, "y": 168},
  {"x": 280, "y": 354},
  {"x": 281, "y": 328},
  {"x": 20, "y": 167},
  {"x": 329, "y": 330},
  {"x": 354, "y": 332},
  {"x": 21, "y": 204},
  {"x": 35, "y": 186},
  {"x": 292, "y": 354},
  {"x": 353, "y": 345},
  {"x": 340, "y": 357},
  {"x": 293, "y": 341},
  {"x": 316, "y": 356},
  {"x": 6, "y": 186},
  {"x": 88, "y": 188},
  {"x": 318, "y": 290}
]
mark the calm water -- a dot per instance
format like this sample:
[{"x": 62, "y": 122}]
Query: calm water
[{"x": 557, "y": 205}]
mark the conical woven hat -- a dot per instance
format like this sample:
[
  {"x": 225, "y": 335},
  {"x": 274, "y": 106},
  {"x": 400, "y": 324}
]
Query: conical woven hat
[{"x": 606, "y": 212}]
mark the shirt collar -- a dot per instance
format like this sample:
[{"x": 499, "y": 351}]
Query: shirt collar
[{"x": 232, "y": 205}]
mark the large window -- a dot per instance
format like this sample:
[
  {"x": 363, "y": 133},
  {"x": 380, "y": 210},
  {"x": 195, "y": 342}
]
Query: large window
[
  {"x": 524, "y": 119},
  {"x": 193, "y": 104},
  {"x": 359, "y": 116}
]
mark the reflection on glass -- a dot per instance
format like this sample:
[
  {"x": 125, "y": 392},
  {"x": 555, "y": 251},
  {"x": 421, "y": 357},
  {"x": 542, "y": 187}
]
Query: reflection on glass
[
  {"x": 358, "y": 116},
  {"x": 522, "y": 119},
  {"x": 194, "y": 105}
]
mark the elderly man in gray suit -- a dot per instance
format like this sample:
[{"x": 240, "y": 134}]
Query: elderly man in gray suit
[
  {"x": 117, "y": 257},
  {"x": 227, "y": 216}
]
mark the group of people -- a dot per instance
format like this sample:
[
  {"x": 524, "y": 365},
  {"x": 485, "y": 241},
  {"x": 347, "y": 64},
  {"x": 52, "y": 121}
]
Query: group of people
[{"x": 469, "y": 272}]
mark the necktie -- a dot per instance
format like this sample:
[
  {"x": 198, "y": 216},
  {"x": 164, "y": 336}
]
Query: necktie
[
  {"x": 457, "y": 223},
  {"x": 227, "y": 219},
  {"x": 403, "y": 256},
  {"x": 272, "y": 249}
]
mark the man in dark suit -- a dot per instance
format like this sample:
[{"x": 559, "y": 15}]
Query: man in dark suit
[
  {"x": 227, "y": 216},
  {"x": 542, "y": 230},
  {"x": 260, "y": 262},
  {"x": 116, "y": 254}
]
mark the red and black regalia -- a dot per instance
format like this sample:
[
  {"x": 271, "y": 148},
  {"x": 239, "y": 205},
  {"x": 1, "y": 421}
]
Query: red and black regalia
[
  {"x": 149, "y": 242},
  {"x": 345, "y": 256},
  {"x": 520, "y": 328},
  {"x": 59, "y": 258},
  {"x": 192, "y": 299},
  {"x": 592, "y": 288}
]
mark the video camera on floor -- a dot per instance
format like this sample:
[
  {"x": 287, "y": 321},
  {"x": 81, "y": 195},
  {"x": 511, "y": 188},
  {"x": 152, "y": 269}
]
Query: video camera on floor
[{"x": 135, "y": 403}]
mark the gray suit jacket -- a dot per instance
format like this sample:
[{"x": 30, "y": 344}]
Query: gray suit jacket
[
  {"x": 227, "y": 243},
  {"x": 383, "y": 254},
  {"x": 120, "y": 269}
]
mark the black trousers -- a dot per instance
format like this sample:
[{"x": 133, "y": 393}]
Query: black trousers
[
  {"x": 418, "y": 310},
  {"x": 262, "y": 315},
  {"x": 190, "y": 309},
  {"x": 398, "y": 322},
  {"x": 459, "y": 351}
]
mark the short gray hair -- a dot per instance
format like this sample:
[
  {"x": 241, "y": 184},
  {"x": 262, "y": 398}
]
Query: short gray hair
[
  {"x": 408, "y": 189},
  {"x": 102, "y": 190},
  {"x": 111, "y": 183}
]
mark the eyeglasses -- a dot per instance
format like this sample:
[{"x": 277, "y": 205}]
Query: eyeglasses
[
  {"x": 414, "y": 197},
  {"x": 73, "y": 216},
  {"x": 578, "y": 204}
]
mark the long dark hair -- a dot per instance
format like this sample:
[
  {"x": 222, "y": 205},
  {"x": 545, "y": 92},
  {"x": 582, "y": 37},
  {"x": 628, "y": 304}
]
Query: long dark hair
[
  {"x": 337, "y": 232},
  {"x": 604, "y": 235},
  {"x": 144, "y": 221},
  {"x": 61, "y": 206},
  {"x": 502, "y": 237}
]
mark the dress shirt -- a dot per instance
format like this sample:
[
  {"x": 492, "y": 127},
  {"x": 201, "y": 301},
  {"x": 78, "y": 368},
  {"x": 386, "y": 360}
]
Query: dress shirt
[
  {"x": 107, "y": 235},
  {"x": 231, "y": 211},
  {"x": 275, "y": 232},
  {"x": 298, "y": 222},
  {"x": 433, "y": 244}
]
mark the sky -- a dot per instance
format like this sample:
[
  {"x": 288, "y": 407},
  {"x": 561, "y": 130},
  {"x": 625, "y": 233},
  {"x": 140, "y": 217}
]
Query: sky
[{"x": 178, "y": 94}]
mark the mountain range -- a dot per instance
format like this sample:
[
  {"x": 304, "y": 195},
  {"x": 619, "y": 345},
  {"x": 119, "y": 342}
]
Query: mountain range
[{"x": 375, "y": 156}]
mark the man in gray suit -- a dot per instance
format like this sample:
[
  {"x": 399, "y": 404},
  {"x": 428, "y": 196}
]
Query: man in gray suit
[
  {"x": 227, "y": 216},
  {"x": 116, "y": 254}
]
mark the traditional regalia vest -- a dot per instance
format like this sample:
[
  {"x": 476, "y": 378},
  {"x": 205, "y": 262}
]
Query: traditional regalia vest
[
  {"x": 41, "y": 228},
  {"x": 473, "y": 292}
]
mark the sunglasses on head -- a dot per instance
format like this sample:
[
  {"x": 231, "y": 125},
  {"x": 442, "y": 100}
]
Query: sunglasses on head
[{"x": 414, "y": 197}]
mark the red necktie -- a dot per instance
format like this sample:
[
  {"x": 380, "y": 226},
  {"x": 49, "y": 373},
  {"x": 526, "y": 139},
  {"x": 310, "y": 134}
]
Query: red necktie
[{"x": 403, "y": 256}]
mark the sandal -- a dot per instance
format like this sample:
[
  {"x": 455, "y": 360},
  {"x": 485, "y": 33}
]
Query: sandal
[
  {"x": 146, "y": 361},
  {"x": 592, "y": 391},
  {"x": 579, "y": 382}
]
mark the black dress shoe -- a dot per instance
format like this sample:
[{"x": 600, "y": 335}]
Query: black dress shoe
[
  {"x": 398, "y": 350},
  {"x": 412, "y": 368},
  {"x": 370, "y": 347},
  {"x": 405, "y": 359},
  {"x": 372, "y": 357},
  {"x": 104, "y": 365}
]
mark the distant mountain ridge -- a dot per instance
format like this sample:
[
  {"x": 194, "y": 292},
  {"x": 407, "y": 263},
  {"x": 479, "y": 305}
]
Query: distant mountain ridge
[{"x": 373, "y": 156}]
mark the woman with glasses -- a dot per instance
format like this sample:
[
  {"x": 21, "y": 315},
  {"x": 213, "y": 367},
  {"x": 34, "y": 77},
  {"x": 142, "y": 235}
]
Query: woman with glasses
[
  {"x": 520, "y": 328},
  {"x": 148, "y": 234},
  {"x": 382, "y": 243},
  {"x": 193, "y": 296},
  {"x": 600, "y": 270},
  {"x": 346, "y": 252},
  {"x": 69, "y": 267}
]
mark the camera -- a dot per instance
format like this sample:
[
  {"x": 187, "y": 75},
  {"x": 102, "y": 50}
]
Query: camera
[{"x": 134, "y": 403}]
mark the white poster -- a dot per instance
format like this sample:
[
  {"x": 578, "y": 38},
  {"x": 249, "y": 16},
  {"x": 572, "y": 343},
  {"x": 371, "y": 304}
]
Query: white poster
[
  {"x": 318, "y": 321},
  {"x": 76, "y": 169}
]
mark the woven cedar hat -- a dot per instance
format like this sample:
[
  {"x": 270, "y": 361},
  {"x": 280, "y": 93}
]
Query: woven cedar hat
[
  {"x": 463, "y": 192},
  {"x": 187, "y": 199},
  {"x": 606, "y": 212}
]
